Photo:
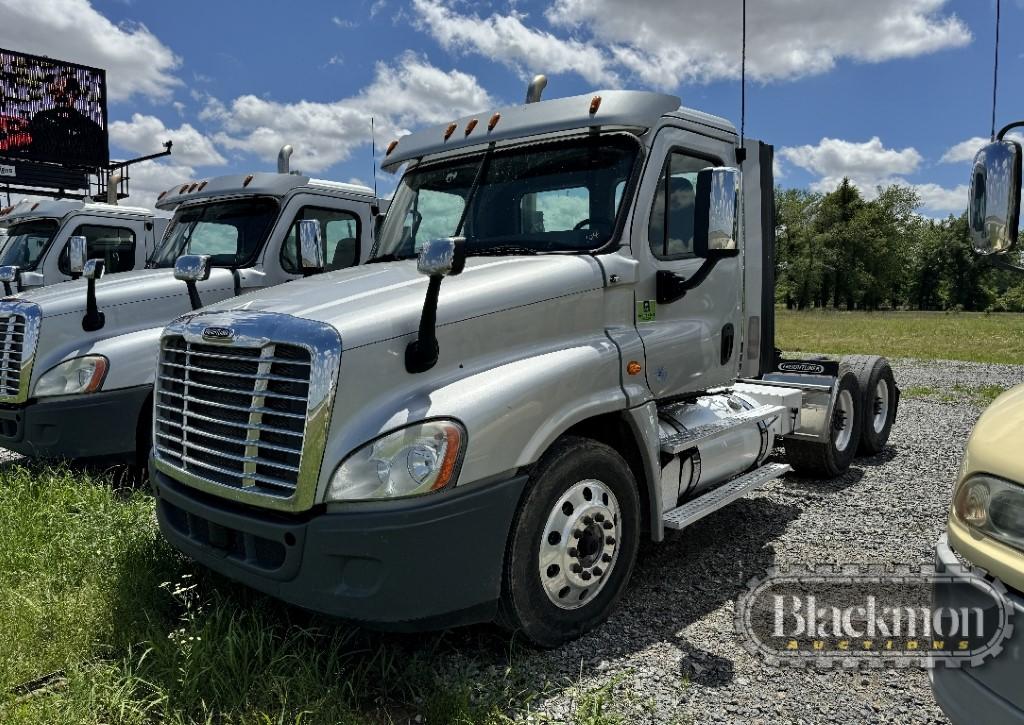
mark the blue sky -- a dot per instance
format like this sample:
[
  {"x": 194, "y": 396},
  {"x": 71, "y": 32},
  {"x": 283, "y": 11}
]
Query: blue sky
[{"x": 880, "y": 90}]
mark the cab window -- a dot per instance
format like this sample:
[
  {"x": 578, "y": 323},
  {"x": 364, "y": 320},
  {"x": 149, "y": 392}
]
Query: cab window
[
  {"x": 340, "y": 232},
  {"x": 670, "y": 232},
  {"x": 114, "y": 245},
  {"x": 555, "y": 210}
]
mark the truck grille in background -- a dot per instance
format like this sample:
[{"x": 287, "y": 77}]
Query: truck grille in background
[
  {"x": 12, "y": 345},
  {"x": 233, "y": 415}
]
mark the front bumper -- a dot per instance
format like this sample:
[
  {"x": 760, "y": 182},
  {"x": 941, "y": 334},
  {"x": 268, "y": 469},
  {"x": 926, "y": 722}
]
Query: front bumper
[
  {"x": 991, "y": 692},
  {"x": 421, "y": 563},
  {"x": 94, "y": 425}
]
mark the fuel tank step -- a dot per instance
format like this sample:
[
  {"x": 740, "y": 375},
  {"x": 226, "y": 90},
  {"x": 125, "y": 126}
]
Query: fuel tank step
[
  {"x": 691, "y": 511},
  {"x": 692, "y": 437}
]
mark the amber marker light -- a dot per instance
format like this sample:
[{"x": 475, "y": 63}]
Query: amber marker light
[
  {"x": 633, "y": 367},
  {"x": 391, "y": 147},
  {"x": 595, "y": 103},
  {"x": 183, "y": 189},
  {"x": 248, "y": 180},
  {"x": 493, "y": 122},
  {"x": 202, "y": 186},
  {"x": 451, "y": 457},
  {"x": 470, "y": 126},
  {"x": 449, "y": 131}
]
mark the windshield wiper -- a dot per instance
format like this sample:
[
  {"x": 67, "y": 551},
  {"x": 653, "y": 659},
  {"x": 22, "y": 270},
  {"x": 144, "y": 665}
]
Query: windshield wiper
[
  {"x": 501, "y": 250},
  {"x": 390, "y": 258}
]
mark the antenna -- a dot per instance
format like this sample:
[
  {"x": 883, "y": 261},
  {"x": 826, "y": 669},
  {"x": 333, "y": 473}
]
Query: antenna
[
  {"x": 373, "y": 155},
  {"x": 995, "y": 71},
  {"x": 741, "y": 151}
]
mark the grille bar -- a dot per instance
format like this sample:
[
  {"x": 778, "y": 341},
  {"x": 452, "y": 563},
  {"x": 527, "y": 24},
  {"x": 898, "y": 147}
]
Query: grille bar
[{"x": 235, "y": 416}]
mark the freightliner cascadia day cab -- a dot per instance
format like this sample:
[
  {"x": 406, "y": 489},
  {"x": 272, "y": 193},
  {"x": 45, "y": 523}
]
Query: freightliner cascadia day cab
[
  {"x": 551, "y": 354},
  {"x": 986, "y": 520},
  {"x": 78, "y": 358},
  {"x": 35, "y": 252}
]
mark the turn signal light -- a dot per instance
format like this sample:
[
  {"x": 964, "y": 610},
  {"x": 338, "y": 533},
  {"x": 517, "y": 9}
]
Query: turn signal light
[{"x": 633, "y": 367}]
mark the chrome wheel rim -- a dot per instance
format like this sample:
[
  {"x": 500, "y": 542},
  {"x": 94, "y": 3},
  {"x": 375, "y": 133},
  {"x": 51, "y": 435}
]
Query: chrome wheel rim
[
  {"x": 842, "y": 421},
  {"x": 579, "y": 545},
  {"x": 880, "y": 406}
]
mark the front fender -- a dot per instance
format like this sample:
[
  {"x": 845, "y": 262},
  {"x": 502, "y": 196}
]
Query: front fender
[{"x": 132, "y": 358}]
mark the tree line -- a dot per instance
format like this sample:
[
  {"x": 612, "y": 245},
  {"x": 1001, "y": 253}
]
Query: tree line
[{"x": 839, "y": 250}]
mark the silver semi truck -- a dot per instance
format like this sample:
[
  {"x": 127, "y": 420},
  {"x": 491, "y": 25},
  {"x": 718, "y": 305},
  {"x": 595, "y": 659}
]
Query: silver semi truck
[
  {"x": 35, "y": 252},
  {"x": 77, "y": 358},
  {"x": 563, "y": 343}
]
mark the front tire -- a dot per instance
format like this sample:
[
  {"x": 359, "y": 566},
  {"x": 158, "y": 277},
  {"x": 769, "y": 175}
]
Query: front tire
[
  {"x": 828, "y": 459},
  {"x": 574, "y": 543}
]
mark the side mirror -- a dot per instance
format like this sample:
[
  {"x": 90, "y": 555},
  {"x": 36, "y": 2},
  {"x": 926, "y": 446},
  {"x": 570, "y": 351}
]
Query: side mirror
[
  {"x": 993, "y": 212},
  {"x": 442, "y": 257},
  {"x": 438, "y": 259},
  {"x": 192, "y": 268},
  {"x": 716, "y": 213},
  {"x": 77, "y": 256},
  {"x": 94, "y": 319},
  {"x": 311, "y": 247},
  {"x": 9, "y": 274}
]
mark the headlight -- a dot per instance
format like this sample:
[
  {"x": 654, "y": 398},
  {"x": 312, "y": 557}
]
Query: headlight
[
  {"x": 993, "y": 507},
  {"x": 80, "y": 375},
  {"x": 411, "y": 461}
]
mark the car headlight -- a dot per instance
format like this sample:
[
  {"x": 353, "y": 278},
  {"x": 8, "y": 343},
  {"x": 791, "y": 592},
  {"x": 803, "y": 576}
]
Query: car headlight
[
  {"x": 993, "y": 507},
  {"x": 414, "y": 460},
  {"x": 80, "y": 375}
]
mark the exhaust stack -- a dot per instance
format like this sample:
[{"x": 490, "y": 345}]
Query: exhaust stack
[
  {"x": 536, "y": 88},
  {"x": 283, "y": 167}
]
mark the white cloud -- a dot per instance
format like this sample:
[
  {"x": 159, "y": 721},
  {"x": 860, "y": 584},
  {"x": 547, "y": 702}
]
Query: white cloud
[
  {"x": 145, "y": 134},
  {"x": 965, "y": 150},
  {"x": 407, "y": 93},
  {"x": 663, "y": 43},
  {"x": 507, "y": 39},
  {"x": 344, "y": 23},
  {"x": 137, "y": 63},
  {"x": 870, "y": 165},
  {"x": 867, "y": 164}
]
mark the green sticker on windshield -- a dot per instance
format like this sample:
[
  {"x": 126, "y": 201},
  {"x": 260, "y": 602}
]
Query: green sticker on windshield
[{"x": 646, "y": 310}]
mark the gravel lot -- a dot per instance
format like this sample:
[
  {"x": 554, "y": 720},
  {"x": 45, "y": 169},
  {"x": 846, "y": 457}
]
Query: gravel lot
[{"x": 673, "y": 642}]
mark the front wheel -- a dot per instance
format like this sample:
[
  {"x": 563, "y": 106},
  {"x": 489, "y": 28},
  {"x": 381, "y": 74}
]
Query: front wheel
[{"x": 574, "y": 543}]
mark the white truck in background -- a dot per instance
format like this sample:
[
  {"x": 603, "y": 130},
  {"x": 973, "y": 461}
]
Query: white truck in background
[
  {"x": 563, "y": 342},
  {"x": 35, "y": 252},
  {"x": 77, "y": 359}
]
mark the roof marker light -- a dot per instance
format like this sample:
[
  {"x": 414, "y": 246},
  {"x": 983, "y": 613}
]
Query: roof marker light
[
  {"x": 595, "y": 103},
  {"x": 470, "y": 126},
  {"x": 202, "y": 185},
  {"x": 493, "y": 122},
  {"x": 34, "y": 206},
  {"x": 391, "y": 147},
  {"x": 183, "y": 189},
  {"x": 193, "y": 187},
  {"x": 162, "y": 195},
  {"x": 450, "y": 130},
  {"x": 248, "y": 180}
]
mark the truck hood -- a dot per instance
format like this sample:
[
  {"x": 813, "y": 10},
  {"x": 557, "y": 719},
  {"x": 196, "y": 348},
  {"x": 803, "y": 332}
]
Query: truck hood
[
  {"x": 994, "y": 445},
  {"x": 383, "y": 301},
  {"x": 145, "y": 286}
]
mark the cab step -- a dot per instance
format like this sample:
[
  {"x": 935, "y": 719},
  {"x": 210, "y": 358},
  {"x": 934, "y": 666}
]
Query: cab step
[
  {"x": 692, "y": 437},
  {"x": 707, "y": 503}
]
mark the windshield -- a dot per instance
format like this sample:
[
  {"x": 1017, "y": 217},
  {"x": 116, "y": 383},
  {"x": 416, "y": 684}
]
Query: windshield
[
  {"x": 27, "y": 241},
  {"x": 231, "y": 232},
  {"x": 554, "y": 197}
]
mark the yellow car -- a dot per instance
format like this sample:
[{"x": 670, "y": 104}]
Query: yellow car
[{"x": 986, "y": 528}]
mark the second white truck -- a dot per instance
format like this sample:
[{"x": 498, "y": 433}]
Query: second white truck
[{"x": 77, "y": 358}]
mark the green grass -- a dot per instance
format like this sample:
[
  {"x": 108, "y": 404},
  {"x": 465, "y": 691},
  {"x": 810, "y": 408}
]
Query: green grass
[
  {"x": 982, "y": 395},
  {"x": 89, "y": 590},
  {"x": 976, "y": 336}
]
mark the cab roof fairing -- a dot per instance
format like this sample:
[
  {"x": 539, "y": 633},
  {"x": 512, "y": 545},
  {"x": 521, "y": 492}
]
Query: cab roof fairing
[
  {"x": 260, "y": 184},
  {"x": 59, "y": 208},
  {"x": 617, "y": 109}
]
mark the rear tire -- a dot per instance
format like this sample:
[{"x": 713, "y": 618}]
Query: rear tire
[
  {"x": 828, "y": 459},
  {"x": 573, "y": 545},
  {"x": 880, "y": 398}
]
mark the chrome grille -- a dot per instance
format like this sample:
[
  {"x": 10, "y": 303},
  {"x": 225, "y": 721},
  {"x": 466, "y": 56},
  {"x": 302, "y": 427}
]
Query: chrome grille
[
  {"x": 12, "y": 349},
  {"x": 235, "y": 416}
]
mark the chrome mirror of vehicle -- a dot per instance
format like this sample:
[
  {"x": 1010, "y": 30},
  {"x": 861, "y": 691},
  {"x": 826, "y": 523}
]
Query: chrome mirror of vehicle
[
  {"x": 94, "y": 319},
  {"x": 8, "y": 274},
  {"x": 77, "y": 253},
  {"x": 311, "y": 247},
  {"x": 192, "y": 268},
  {"x": 438, "y": 258}
]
